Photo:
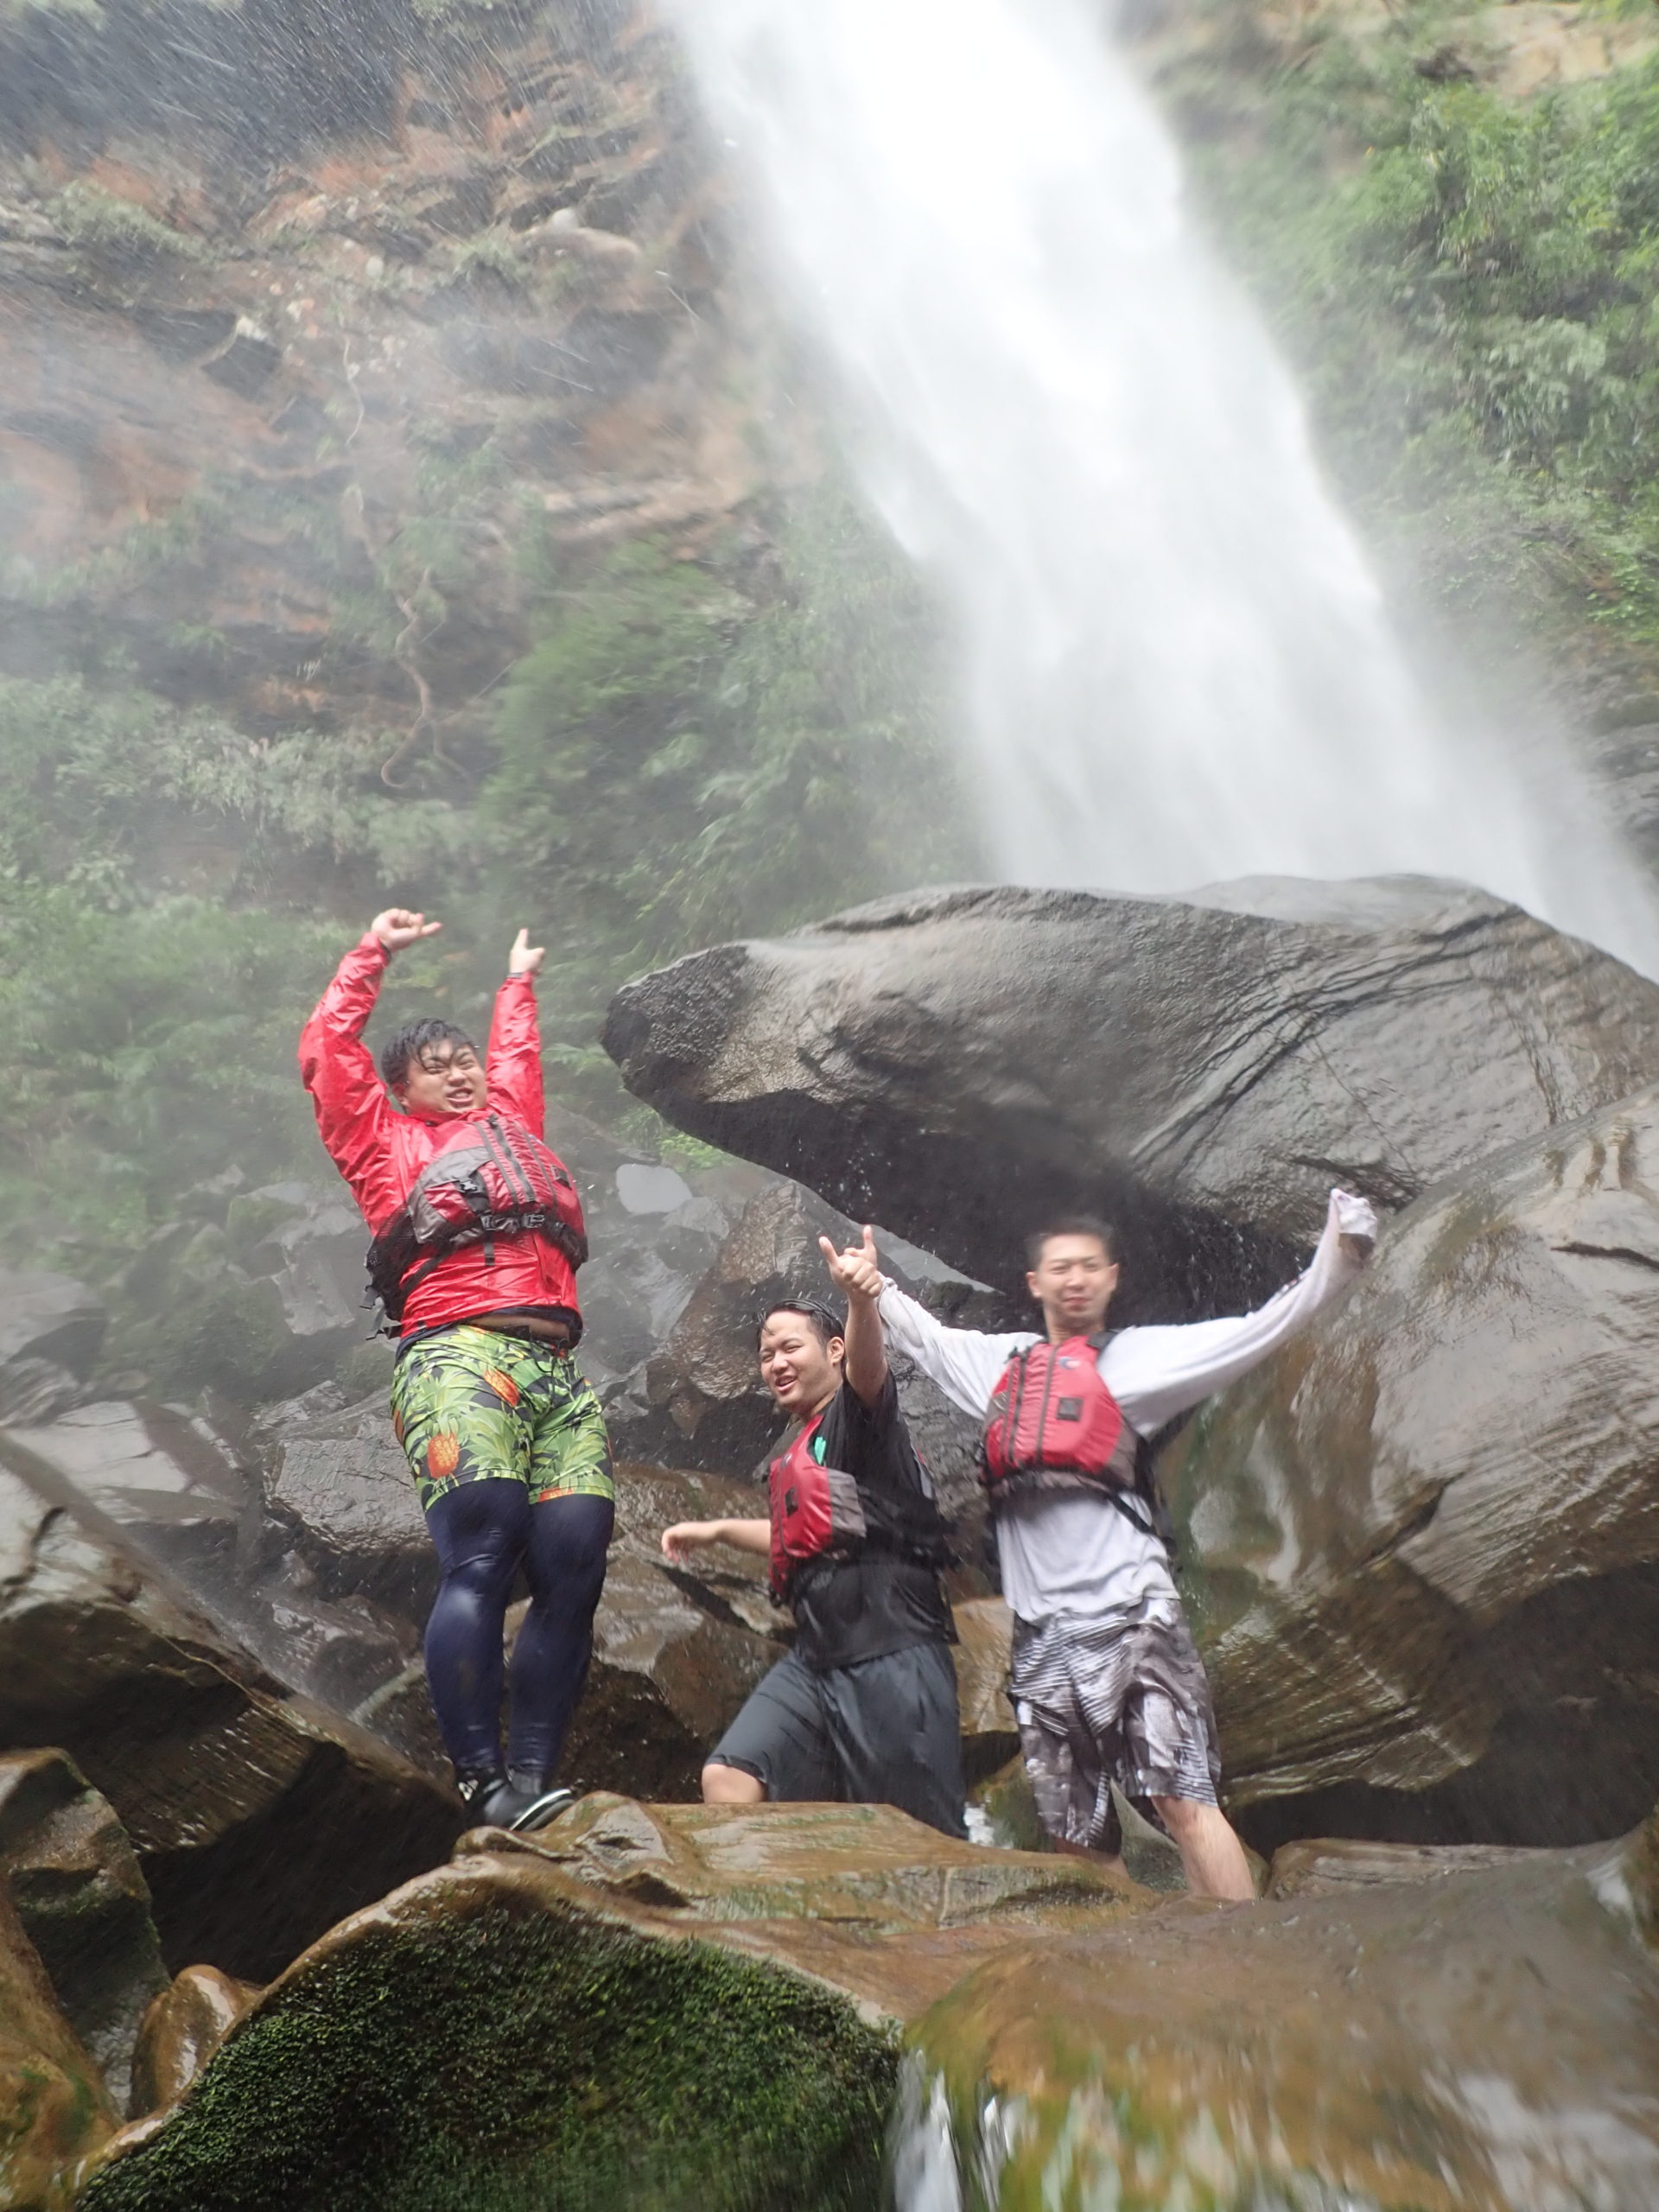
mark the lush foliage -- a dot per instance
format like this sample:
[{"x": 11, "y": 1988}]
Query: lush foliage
[
  {"x": 690, "y": 747},
  {"x": 1471, "y": 286}
]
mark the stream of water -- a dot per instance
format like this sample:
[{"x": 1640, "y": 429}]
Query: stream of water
[{"x": 1176, "y": 665}]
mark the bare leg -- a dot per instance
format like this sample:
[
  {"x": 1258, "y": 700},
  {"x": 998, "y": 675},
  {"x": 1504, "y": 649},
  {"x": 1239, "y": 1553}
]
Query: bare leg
[
  {"x": 1111, "y": 1862},
  {"x": 1212, "y": 1853},
  {"x": 730, "y": 1785}
]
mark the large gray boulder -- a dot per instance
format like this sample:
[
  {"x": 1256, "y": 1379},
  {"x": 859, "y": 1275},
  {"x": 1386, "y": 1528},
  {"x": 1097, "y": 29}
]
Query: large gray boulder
[
  {"x": 958, "y": 1063},
  {"x": 1423, "y": 1542}
]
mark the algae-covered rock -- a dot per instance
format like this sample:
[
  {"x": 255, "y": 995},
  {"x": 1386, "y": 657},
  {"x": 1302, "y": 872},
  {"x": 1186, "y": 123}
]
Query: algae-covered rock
[
  {"x": 654, "y": 2006},
  {"x": 1489, "y": 2042},
  {"x": 54, "y": 2107},
  {"x": 1424, "y": 1538},
  {"x": 83, "y": 1903},
  {"x": 495, "y": 2036}
]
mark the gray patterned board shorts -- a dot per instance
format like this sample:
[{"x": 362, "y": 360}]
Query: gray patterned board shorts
[{"x": 1122, "y": 1700}]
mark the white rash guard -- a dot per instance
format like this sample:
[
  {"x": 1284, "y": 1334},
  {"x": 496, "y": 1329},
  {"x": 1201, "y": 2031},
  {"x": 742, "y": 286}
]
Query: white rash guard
[{"x": 1068, "y": 1552}]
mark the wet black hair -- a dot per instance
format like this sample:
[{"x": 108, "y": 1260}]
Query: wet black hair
[
  {"x": 825, "y": 1323},
  {"x": 1071, "y": 1224},
  {"x": 413, "y": 1041}
]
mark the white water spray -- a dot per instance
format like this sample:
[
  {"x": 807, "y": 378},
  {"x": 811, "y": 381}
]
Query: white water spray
[{"x": 1177, "y": 664}]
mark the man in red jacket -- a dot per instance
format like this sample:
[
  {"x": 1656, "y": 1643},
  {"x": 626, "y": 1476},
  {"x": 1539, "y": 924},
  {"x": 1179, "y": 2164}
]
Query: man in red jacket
[{"x": 478, "y": 1234}]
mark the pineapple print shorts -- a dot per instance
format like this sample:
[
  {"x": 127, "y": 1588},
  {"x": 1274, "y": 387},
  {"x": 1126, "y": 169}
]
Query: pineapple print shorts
[{"x": 470, "y": 1404}]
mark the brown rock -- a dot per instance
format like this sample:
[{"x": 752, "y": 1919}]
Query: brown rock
[
  {"x": 257, "y": 1818},
  {"x": 1424, "y": 1540},
  {"x": 1328, "y": 1866},
  {"x": 83, "y": 1903},
  {"x": 1490, "y": 2041},
  {"x": 54, "y": 2107},
  {"x": 990, "y": 1735},
  {"x": 724, "y": 1984},
  {"x": 183, "y": 2027}
]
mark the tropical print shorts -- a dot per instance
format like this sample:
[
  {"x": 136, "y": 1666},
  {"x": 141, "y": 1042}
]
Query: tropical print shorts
[{"x": 471, "y": 1404}]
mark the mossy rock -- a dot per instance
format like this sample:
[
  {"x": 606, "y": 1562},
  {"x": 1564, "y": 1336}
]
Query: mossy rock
[{"x": 490, "y": 2037}]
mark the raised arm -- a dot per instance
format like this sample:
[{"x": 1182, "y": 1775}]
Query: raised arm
[
  {"x": 965, "y": 1363},
  {"x": 513, "y": 1062},
  {"x": 1156, "y": 1373},
  {"x": 857, "y": 1274},
  {"x": 353, "y": 1113}
]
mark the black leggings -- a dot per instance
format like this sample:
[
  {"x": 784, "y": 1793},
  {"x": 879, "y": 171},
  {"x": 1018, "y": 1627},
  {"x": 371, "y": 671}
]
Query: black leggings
[{"x": 485, "y": 1531}]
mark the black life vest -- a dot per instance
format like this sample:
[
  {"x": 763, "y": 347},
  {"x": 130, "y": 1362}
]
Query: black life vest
[
  {"x": 1053, "y": 1424},
  {"x": 819, "y": 1511},
  {"x": 490, "y": 1179}
]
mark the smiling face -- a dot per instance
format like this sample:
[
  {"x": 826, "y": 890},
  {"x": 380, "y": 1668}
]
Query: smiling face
[
  {"x": 800, "y": 1369},
  {"x": 445, "y": 1077},
  {"x": 1072, "y": 1281}
]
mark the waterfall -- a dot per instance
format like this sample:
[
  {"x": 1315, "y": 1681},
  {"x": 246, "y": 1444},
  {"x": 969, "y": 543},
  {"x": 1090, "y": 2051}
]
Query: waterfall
[{"x": 1175, "y": 664}]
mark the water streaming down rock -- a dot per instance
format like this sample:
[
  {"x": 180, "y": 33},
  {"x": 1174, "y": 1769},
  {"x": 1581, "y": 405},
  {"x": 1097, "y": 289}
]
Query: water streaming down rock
[{"x": 1177, "y": 664}]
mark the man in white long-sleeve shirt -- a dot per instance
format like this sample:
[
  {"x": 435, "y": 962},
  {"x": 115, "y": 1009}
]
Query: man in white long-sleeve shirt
[{"x": 1107, "y": 1683}]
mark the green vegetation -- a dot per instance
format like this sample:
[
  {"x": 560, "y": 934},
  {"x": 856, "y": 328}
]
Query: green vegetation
[
  {"x": 691, "y": 747},
  {"x": 519, "y": 2060},
  {"x": 1471, "y": 288},
  {"x": 116, "y": 229}
]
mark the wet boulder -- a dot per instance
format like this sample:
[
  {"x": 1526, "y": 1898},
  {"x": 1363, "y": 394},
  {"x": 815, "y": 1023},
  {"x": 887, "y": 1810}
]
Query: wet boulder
[
  {"x": 698, "y": 1399},
  {"x": 51, "y": 1328},
  {"x": 1490, "y": 2038},
  {"x": 183, "y": 2028},
  {"x": 340, "y": 1482},
  {"x": 960, "y": 1063},
  {"x": 656, "y": 2003},
  {"x": 84, "y": 1905},
  {"x": 1423, "y": 1540},
  {"x": 257, "y": 1818},
  {"x": 54, "y": 2109}
]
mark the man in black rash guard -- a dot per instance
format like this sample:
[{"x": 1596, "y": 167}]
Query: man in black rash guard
[{"x": 864, "y": 1707}]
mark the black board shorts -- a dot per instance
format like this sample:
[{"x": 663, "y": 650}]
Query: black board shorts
[{"x": 884, "y": 1731}]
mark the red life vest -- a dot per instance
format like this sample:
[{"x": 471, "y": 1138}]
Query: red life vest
[
  {"x": 814, "y": 1509},
  {"x": 1053, "y": 1425},
  {"x": 818, "y": 1511},
  {"x": 492, "y": 1178}
]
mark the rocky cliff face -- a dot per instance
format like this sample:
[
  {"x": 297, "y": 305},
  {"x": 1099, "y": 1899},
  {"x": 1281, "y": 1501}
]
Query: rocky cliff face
[{"x": 318, "y": 319}]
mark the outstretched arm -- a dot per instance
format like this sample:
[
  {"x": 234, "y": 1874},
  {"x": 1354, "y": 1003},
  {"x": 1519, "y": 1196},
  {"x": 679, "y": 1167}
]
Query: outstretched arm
[
  {"x": 1156, "y": 1373},
  {"x": 349, "y": 1099},
  {"x": 687, "y": 1536},
  {"x": 857, "y": 1274},
  {"x": 513, "y": 1062},
  {"x": 965, "y": 1363}
]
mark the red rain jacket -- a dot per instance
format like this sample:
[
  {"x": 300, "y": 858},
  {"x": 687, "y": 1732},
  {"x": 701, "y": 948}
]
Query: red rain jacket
[{"x": 380, "y": 1150}]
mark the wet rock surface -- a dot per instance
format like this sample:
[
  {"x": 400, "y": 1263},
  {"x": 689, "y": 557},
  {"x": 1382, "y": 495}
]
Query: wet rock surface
[
  {"x": 183, "y": 2028},
  {"x": 958, "y": 1064},
  {"x": 50, "y": 1330},
  {"x": 257, "y": 1818},
  {"x": 1424, "y": 1540},
  {"x": 83, "y": 1903},
  {"x": 1485, "y": 2043},
  {"x": 724, "y": 1984},
  {"x": 54, "y": 2107}
]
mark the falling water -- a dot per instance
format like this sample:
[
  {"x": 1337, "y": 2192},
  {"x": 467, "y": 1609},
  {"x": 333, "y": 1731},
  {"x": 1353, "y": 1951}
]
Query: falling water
[{"x": 1177, "y": 665}]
